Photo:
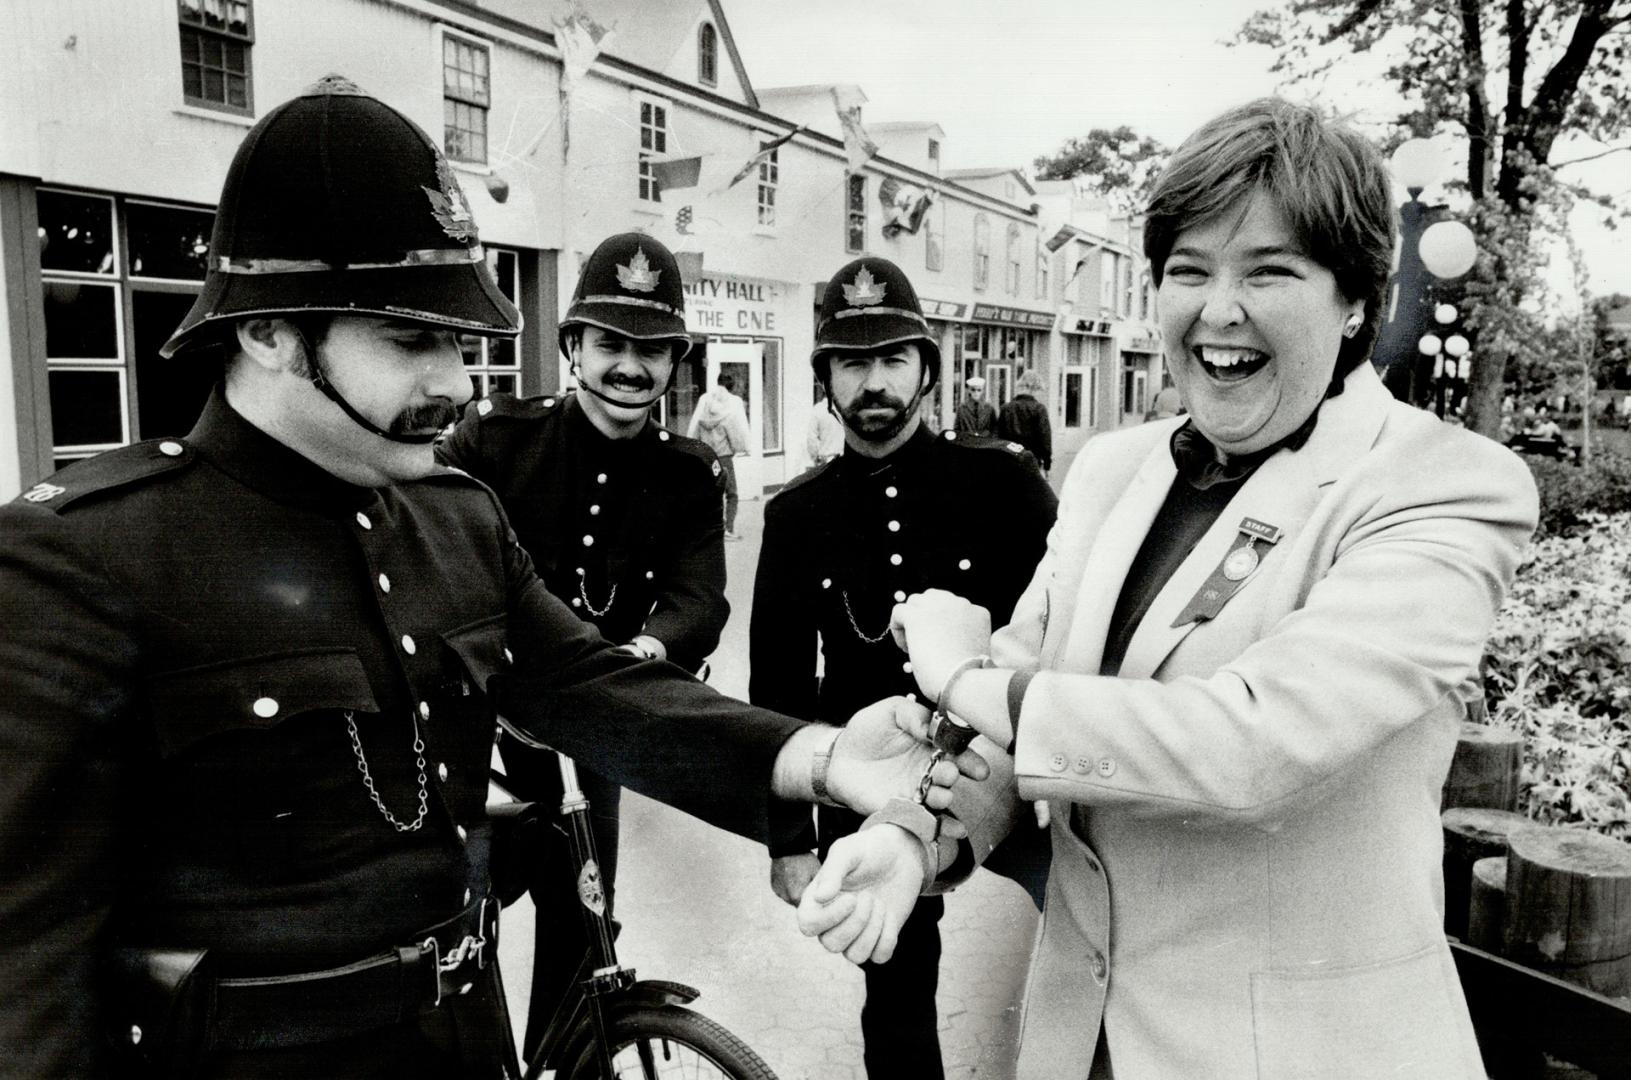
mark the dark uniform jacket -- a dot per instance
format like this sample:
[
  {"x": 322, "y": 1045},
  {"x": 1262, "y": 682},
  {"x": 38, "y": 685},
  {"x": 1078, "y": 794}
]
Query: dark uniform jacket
[
  {"x": 639, "y": 516},
  {"x": 1025, "y": 420},
  {"x": 845, "y": 542},
  {"x": 975, "y": 416},
  {"x": 188, "y": 627}
]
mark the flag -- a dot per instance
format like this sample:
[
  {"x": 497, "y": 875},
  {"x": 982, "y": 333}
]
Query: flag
[
  {"x": 1058, "y": 239},
  {"x": 904, "y": 206},
  {"x": 858, "y": 145},
  {"x": 764, "y": 152},
  {"x": 672, "y": 174},
  {"x": 581, "y": 39},
  {"x": 682, "y": 221}
]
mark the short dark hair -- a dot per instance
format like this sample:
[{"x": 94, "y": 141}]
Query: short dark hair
[
  {"x": 726, "y": 381},
  {"x": 1329, "y": 181}
]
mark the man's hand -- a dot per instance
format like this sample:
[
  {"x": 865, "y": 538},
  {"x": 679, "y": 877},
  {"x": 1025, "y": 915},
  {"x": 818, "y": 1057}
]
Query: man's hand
[
  {"x": 939, "y": 630},
  {"x": 882, "y": 753},
  {"x": 791, "y": 874},
  {"x": 863, "y": 893}
]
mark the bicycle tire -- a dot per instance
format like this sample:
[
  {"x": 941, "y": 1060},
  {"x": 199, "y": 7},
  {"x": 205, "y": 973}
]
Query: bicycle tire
[{"x": 682, "y": 1045}]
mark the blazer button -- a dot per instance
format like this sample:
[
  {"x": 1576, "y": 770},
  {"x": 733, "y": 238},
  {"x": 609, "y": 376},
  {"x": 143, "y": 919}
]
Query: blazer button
[
  {"x": 1107, "y": 767},
  {"x": 1057, "y": 763},
  {"x": 408, "y": 645},
  {"x": 265, "y": 707},
  {"x": 1100, "y": 968},
  {"x": 362, "y": 519},
  {"x": 1085, "y": 764}
]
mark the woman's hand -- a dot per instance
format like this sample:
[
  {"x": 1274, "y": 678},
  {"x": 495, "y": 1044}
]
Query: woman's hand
[{"x": 939, "y": 630}]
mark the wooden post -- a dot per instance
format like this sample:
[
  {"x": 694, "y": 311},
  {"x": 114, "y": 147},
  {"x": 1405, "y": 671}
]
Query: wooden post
[
  {"x": 1568, "y": 906},
  {"x": 1485, "y": 769},
  {"x": 1487, "y": 911},
  {"x": 1470, "y": 835}
]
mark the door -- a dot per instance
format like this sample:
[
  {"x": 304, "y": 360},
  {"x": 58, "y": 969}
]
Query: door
[{"x": 743, "y": 361}]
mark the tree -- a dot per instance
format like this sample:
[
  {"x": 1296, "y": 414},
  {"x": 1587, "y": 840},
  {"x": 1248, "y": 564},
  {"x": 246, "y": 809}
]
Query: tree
[
  {"x": 1512, "y": 77},
  {"x": 1120, "y": 163}
]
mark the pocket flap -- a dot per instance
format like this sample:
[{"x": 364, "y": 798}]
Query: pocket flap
[
  {"x": 480, "y": 648},
  {"x": 254, "y": 692}
]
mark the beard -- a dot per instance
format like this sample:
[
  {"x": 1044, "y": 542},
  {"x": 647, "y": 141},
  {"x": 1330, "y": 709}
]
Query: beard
[{"x": 877, "y": 428}]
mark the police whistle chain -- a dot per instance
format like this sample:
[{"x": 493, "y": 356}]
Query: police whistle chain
[{"x": 950, "y": 735}]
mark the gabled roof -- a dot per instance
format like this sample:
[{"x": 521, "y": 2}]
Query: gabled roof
[{"x": 989, "y": 173}]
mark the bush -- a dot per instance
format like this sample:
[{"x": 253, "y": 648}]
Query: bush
[
  {"x": 1558, "y": 670},
  {"x": 1570, "y": 494}
]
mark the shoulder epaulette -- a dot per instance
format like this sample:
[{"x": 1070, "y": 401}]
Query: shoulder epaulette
[
  {"x": 110, "y": 471},
  {"x": 694, "y": 447},
  {"x": 813, "y": 473},
  {"x": 512, "y": 407},
  {"x": 981, "y": 442}
]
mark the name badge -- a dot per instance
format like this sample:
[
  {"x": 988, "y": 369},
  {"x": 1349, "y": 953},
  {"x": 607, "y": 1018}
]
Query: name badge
[{"x": 1251, "y": 543}]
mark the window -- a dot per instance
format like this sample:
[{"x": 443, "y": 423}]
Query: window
[
  {"x": 1012, "y": 252},
  {"x": 1043, "y": 270},
  {"x": 934, "y": 247},
  {"x": 769, "y": 177},
  {"x": 653, "y": 140},
  {"x": 934, "y": 151},
  {"x": 494, "y": 364},
  {"x": 466, "y": 94},
  {"x": 855, "y": 216},
  {"x": 708, "y": 55},
  {"x": 1127, "y": 279},
  {"x": 216, "y": 36},
  {"x": 982, "y": 251},
  {"x": 1109, "y": 276}
]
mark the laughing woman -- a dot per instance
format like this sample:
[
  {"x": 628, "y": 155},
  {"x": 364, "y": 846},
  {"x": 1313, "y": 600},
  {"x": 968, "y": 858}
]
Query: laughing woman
[{"x": 1239, "y": 671}]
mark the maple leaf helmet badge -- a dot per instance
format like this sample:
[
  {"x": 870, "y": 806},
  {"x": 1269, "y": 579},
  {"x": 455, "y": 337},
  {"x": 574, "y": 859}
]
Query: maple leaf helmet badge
[
  {"x": 638, "y": 275},
  {"x": 864, "y": 291},
  {"x": 449, "y": 206}
]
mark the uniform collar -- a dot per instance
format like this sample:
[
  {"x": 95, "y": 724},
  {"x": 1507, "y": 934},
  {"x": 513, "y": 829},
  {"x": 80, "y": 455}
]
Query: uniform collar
[
  {"x": 258, "y": 461},
  {"x": 905, "y": 456},
  {"x": 583, "y": 430}
]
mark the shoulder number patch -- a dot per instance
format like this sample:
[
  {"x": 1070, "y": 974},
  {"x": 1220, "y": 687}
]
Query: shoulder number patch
[{"x": 43, "y": 492}]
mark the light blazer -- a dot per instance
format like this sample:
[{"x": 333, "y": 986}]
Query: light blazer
[{"x": 1246, "y": 872}]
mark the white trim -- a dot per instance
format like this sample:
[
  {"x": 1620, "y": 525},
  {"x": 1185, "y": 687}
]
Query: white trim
[{"x": 198, "y": 112}]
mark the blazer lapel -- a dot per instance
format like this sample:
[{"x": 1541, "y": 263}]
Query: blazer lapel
[{"x": 1282, "y": 492}]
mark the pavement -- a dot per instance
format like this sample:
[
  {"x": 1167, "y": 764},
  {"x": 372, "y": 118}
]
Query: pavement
[{"x": 696, "y": 908}]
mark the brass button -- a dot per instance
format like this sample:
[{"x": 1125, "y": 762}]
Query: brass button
[
  {"x": 467, "y": 896},
  {"x": 265, "y": 707},
  {"x": 549, "y": 403},
  {"x": 951, "y": 436},
  {"x": 907, "y": 667},
  {"x": 894, "y": 526},
  {"x": 170, "y": 448},
  {"x": 826, "y": 583},
  {"x": 963, "y": 564},
  {"x": 601, "y": 479},
  {"x": 577, "y": 601},
  {"x": 588, "y": 541},
  {"x": 509, "y": 657},
  {"x": 362, "y": 519},
  {"x": 891, "y": 491},
  {"x": 384, "y": 583},
  {"x": 463, "y": 835},
  {"x": 650, "y": 575},
  {"x": 900, "y": 596},
  {"x": 135, "y": 1034},
  {"x": 895, "y": 559},
  {"x": 594, "y": 511},
  {"x": 424, "y": 710},
  {"x": 441, "y": 774},
  {"x": 662, "y": 435},
  {"x": 483, "y": 407},
  {"x": 408, "y": 646}
]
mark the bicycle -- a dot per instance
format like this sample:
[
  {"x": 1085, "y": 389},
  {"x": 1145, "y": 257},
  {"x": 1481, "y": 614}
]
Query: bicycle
[{"x": 613, "y": 1026}]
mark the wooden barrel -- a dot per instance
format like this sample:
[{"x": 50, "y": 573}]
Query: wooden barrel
[
  {"x": 1485, "y": 769},
  {"x": 1568, "y": 906},
  {"x": 1470, "y": 834},
  {"x": 1486, "y": 913}
]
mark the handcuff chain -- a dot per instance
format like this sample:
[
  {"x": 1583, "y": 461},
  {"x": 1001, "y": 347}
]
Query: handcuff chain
[
  {"x": 583, "y": 594},
  {"x": 927, "y": 782},
  {"x": 853, "y": 625},
  {"x": 368, "y": 779}
]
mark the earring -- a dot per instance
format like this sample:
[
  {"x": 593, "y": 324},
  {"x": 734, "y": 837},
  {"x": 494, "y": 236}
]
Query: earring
[{"x": 1351, "y": 327}]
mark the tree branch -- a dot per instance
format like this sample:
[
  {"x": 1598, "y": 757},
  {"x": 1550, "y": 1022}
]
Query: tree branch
[{"x": 1592, "y": 157}]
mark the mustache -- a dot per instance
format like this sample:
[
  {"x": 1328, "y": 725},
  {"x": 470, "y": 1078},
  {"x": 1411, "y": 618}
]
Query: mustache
[
  {"x": 629, "y": 382},
  {"x": 875, "y": 399},
  {"x": 433, "y": 416}
]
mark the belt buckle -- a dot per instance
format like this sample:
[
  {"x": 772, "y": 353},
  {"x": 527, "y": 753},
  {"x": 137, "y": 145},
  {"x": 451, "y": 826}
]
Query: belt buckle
[{"x": 471, "y": 947}]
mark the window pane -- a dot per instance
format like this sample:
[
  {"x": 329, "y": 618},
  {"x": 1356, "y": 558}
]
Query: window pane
[
  {"x": 191, "y": 11},
  {"x": 773, "y": 395},
  {"x": 87, "y": 407},
  {"x": 238, "y": 17},
  {"x": 645, "y": 112},
  {"x": 237, "y": 91},
  {"x": 76, "y": 232},
  {"x": 192, "y": 81},
  {"x": 235, "y": 56},
  {"x": 501, "y": 352},
  {"x": 1073, "y": 399},
  {"x": 504, "y": 383},
  {"x": 168, "y": 242},
  {"x": 189, "y": 46},
  {"x": 80, "y": 322},
  {"x": 214, "y": 87}
]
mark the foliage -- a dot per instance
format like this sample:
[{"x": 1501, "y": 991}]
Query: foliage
[
  {"x": 1558, "y": 670},
  {"x": 1611, "y": 347},
  {"x": 1119, "y": 163},
  {"x": 1573, "y": 496},
  {"x": 1511, "y": 77}
]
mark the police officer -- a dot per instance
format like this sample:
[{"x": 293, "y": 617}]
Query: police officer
[
  {"x": 621, "y": 518},
  {"x": 901, "y": 510},
  {"x": 250, "y": 674}
]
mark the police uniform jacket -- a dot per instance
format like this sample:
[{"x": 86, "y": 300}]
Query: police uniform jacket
[
  {"x": 190, "y": 627},
  {"x": 639, "y": 516},
  {"x": 845, "y": 542},
  {"x": 1246, "y": 870}
]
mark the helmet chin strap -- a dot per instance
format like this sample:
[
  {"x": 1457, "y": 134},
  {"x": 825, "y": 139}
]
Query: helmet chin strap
[
  {"x": 583, "y": 384},
  {"x": 320, "y": 381}
]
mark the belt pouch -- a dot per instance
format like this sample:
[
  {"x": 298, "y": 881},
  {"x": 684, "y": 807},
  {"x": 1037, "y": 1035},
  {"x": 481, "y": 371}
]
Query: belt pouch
[{"x": 159, "y": 1008}]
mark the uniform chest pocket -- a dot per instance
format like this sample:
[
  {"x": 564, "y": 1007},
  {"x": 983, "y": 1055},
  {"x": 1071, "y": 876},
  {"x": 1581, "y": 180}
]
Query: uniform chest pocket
[
  {"x": 254, "y": 693},
  {"x": 480, "y": 652}
]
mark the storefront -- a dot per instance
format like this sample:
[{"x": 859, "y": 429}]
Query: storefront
[
  {"x": 1141, "y": 375},
  {"x": 742, "y": 327},
  {"x": 1086, "y": 383}
]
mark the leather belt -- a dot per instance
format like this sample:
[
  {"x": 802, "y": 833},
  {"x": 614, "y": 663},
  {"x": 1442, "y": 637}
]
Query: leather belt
[{"x": 381, "y": 990}]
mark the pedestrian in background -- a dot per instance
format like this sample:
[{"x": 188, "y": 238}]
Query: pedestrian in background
[
  {"x": 825, "y": 439},
  {"x": 975, "y": 416},
  {"x": 721, "y": 422},
  {"x": 1025, "y": 420},
  {"x": 901, "y": 510},
  {"x": 621, "y": 518}
]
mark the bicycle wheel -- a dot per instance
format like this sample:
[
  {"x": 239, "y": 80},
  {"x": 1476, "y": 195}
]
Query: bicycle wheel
[{"x": 670, "y": 1043}]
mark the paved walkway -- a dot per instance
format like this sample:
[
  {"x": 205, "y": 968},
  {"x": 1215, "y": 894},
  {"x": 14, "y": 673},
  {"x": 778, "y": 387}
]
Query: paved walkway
[{"x": 697, "y": 908}]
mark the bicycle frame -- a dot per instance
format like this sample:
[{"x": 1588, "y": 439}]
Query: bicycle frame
[{"x": 604, "y": 984}]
